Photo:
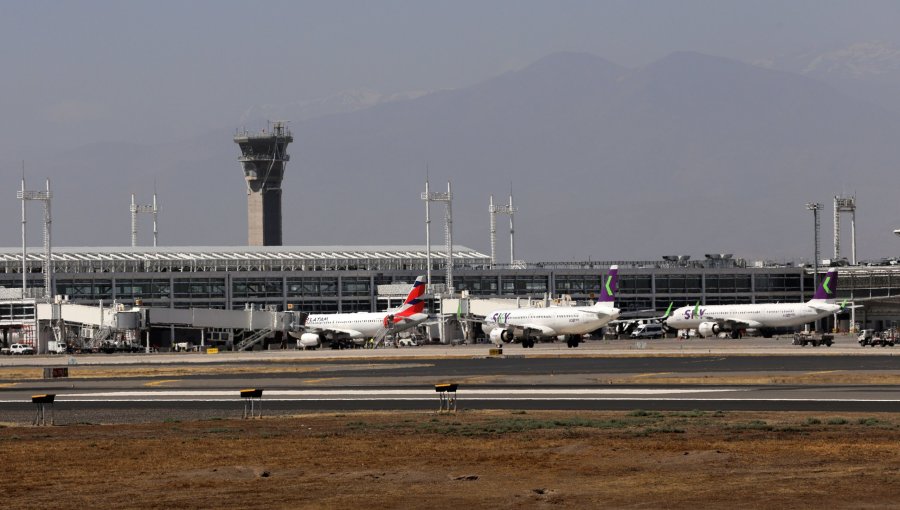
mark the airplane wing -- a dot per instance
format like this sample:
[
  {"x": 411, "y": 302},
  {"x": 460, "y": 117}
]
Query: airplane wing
[
  {"x": 634, "y": 317},
  {"x": 599, "y": 313}
]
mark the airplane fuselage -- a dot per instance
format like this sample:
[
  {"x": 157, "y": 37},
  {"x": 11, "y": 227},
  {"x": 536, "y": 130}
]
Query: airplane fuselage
[
  {"x": 561, "y": 320},
  {"x": 361, "y": 324},
  {"x": 771, "y": 315}
]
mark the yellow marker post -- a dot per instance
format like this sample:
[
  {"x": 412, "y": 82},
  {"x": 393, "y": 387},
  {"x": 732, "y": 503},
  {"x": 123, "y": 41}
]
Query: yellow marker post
[
  {"x": 447, "y": 393},
  {"x": 252, "y": 403},
  {"x": 41, "y": 402}
]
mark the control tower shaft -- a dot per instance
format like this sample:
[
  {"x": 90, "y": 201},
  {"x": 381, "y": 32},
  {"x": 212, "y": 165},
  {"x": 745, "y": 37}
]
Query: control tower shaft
[{"x": 263, "y": 158}]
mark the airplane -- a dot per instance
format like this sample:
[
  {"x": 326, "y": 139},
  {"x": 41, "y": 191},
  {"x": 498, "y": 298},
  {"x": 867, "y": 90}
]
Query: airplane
[
  {"x": 527, "y": 324},
  {"x": 342, "y": 328},
  {"x": 711, "y": 320}
]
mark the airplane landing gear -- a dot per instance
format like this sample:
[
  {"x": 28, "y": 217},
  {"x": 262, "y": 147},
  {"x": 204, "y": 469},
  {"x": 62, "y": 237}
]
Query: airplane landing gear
[{"x": 573, "y": 340}]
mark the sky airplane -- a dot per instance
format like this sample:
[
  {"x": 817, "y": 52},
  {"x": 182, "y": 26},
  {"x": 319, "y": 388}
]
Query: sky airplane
[
  {"x": 341, "y": 328},
  {"x": 711, "y": 320},
  {"x": 527, "y": 324}
]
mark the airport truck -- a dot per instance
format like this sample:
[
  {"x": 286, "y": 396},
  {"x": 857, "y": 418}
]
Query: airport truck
[
  {"x": 56, "y": 347},
  {"x": 804, "y": 338},
  {"x": 881, "y": 338}
]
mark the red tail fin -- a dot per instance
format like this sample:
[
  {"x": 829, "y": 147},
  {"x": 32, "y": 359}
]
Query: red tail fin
[{"x": 414, "y": 302}]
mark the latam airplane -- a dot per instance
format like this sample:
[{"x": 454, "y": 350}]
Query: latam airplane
[
  {"x": 711, "y": 320},
  {"x": 527, "y": 324},
  {"x": 341, "y": 328}
]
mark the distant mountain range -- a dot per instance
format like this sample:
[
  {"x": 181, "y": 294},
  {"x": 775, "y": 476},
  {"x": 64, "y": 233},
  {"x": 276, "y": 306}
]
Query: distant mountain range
[
  {"x": 691, "y": 154},
  {"x": 868, "y": 70},
  {"x": 343, "y": 102}
]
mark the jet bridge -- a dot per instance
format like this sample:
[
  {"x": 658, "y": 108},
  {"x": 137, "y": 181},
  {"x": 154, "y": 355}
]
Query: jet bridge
[{"x": 124, "y": 327}]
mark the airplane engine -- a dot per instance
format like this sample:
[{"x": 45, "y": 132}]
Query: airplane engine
[
  {"x": 311, "y": 340},
  {"x": 707, "y": 329},
  {"x": 499, "y": 335}
]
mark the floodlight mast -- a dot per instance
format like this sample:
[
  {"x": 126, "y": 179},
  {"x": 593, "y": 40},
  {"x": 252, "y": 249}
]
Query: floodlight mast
[
  {"x": 815, "y": 207},
  {"x": 47, "y": 269},
  {"x": 135, "y": 209},
  {"x": 447, "y": 198},
  {"x": 510, "y": 211}
]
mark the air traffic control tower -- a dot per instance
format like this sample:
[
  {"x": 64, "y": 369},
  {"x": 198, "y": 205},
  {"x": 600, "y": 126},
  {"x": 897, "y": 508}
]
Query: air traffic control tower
[{"x": 263, "y": 157}]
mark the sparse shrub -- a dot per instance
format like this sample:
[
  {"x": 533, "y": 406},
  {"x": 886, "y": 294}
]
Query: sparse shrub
[{"x": 668, "y": 429}]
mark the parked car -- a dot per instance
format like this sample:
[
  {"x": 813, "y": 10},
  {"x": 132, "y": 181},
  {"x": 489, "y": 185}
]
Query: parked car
[{"x": 21, "y": 349}]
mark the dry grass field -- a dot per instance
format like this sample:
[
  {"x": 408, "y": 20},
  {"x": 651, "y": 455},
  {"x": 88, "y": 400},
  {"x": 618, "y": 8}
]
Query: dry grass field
[{"x": 477, "y": 459}]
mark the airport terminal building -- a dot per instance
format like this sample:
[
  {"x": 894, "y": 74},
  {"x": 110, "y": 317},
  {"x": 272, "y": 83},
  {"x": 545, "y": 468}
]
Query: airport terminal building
[{"x": 329, "y": 279}]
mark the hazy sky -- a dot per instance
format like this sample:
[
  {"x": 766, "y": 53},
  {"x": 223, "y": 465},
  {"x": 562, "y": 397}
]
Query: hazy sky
[{"x": 90, "y": 71}]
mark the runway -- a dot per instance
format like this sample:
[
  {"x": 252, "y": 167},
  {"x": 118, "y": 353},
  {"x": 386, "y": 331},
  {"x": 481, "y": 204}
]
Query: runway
[
  {"x": 183, "y": 403},
  {"x": 528, "y": 383}
]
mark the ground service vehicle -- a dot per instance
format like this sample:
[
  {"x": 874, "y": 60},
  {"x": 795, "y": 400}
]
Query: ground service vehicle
[
  {"x": 865, "y": 336},
  {"x": 803, "y": 339},
  {"x": 649, "y": 331},
  {"x": 55, "y": 347},
  {"x": 880, "y": 338}
]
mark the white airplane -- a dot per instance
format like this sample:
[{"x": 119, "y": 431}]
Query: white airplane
[
  {"x": 527, "y": 324},
  {"x": 341, "y": 328},
  {"x": 711, "y": 320}
]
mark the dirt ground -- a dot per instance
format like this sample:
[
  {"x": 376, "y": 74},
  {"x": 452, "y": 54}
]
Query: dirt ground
[{"x": 477, "y": 459}]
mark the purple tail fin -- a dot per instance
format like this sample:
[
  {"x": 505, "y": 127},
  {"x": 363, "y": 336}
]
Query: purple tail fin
[
  {"x": 828, "y": 288},
  {"x": 610, "y": 286}
]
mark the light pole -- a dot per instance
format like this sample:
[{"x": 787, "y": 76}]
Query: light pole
[
  {"x": 41, "y": 196},
  {"x": 815, "y": 207}
]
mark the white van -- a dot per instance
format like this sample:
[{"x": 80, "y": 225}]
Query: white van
[{"x": 649, "y": 331}]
